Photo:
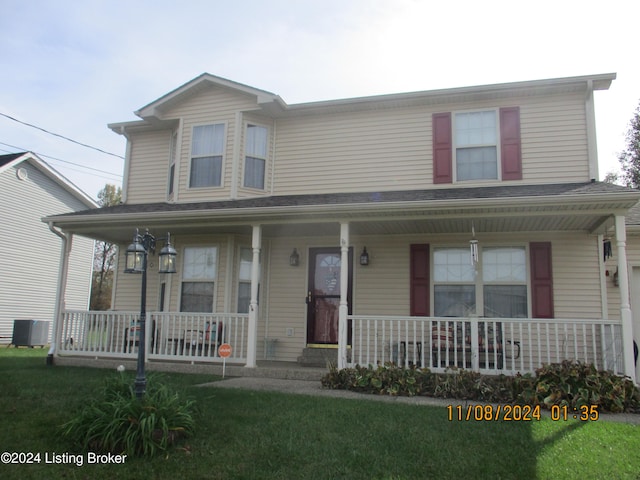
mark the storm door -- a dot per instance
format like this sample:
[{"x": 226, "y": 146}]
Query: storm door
[{"x": 323, "y": 296}]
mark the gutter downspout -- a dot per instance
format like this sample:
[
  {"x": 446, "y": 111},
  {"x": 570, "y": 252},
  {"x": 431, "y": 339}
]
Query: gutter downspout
[{"x": 61, "y": 290}]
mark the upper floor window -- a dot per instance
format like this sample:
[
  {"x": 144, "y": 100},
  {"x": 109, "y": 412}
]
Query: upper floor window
[
  {"x": 476, "y": 141},
  {"x": 207, "y": 147},
  {"x": 477, "y": 145},
  {"x": 255, "y": 156},
  {"x": 172, "y": 161}
]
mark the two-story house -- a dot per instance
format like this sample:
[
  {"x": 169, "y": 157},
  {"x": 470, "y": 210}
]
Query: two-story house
[{"x": 451, "y": 227}]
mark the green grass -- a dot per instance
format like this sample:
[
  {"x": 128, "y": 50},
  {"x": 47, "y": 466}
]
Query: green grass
[{"x": 258, "y": 435}]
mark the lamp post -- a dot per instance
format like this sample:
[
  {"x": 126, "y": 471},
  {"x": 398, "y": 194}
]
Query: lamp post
[{"x": 136, "y": 262}]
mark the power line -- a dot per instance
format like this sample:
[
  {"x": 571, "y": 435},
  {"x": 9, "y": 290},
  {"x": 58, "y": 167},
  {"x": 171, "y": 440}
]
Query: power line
[
  {"x": 63, "y": 161},
  {"x": 61, "y": 136}
]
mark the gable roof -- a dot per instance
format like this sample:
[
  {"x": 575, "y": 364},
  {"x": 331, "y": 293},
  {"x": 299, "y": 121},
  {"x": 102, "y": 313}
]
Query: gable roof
[
  {"x": 273, "y": 105},
  {"x": 195, "y": 85},
  {"x": 13, "y": 159}
]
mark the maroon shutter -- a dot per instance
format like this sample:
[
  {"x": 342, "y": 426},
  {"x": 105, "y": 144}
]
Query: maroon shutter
[
  {"x": 442, "y": 152},
  {"x": 511, "y": 155},
  {"x": 419, "y": 281},
  {"x": 541, "y": 280}
]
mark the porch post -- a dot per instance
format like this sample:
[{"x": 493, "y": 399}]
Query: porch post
[
  {"x": 625, "y": 302},
  {"x": 344, "y": 284},
  {"x": 252, "y": 334},
  {"x": 56, "y": 331}
]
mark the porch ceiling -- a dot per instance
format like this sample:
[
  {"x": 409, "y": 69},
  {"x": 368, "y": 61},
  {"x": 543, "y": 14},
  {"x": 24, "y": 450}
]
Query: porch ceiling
[{"x": 587, "y": 207}]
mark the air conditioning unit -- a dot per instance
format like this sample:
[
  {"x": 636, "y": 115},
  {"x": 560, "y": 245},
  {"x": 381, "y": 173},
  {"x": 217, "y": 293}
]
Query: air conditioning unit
[{"x": 28, "y": 333}]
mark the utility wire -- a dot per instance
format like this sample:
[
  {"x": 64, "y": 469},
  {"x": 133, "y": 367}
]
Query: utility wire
[
  {"x": 63, "y": 161},
  {"x": 61, "y": 136}
]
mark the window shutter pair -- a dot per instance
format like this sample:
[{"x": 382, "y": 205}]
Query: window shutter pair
[
  {"x": 541, "y": 280},
  {"x": 510, "y": 148}
]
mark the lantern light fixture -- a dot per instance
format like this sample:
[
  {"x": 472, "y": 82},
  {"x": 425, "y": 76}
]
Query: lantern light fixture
[
  {"x": 294, "y": 258},
  {"x": 167, "y": 257},
  {"x": 364, "y": 257}
]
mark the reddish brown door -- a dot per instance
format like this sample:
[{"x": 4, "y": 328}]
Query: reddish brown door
[{"x": 323, "y": 297}]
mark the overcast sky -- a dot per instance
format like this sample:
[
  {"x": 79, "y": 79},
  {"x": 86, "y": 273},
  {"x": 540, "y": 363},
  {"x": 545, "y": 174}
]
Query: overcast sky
[{"x": 72, "y": 67}]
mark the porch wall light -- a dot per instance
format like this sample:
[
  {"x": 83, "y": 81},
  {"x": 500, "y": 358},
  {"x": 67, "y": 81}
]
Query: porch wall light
[
  {"x": 294, "y": 258},
  {"x": 136, "y": 262},
  {"x": 364, "y": 257}
]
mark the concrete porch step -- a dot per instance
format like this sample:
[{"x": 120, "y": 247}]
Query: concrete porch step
[{"x": 318, "y": 357}]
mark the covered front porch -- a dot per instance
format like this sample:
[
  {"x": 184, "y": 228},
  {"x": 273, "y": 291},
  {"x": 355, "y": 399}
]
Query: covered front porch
[{"x": 370, "y": 304}]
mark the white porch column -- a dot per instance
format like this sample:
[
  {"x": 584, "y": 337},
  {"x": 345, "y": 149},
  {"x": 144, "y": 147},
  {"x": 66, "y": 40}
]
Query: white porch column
[
  {"x": 344, "y": 285},
  {"x": 63, "y": 270},
  {"x": 252, "y": 334},
  {"x": 625, "y": 302}
]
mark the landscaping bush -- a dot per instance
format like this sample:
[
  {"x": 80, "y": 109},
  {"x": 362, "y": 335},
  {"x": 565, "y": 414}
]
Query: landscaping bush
[
  {"x": 575, "y": 384},
  {"x": 117, "y": 422},
  {"x": 569, "y": 383}
]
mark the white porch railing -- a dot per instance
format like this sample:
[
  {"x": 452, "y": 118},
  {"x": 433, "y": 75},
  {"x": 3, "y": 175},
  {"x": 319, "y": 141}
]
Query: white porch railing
[
  {"x": 169, "y": 335},
  {"x": 486, "y": 345}
]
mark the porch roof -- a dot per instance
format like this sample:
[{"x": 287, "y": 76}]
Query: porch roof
[{"x": 584, "y": 206}]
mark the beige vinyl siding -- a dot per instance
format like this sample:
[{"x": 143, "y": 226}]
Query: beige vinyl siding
[
  {"x": 576, "y": 276},
  {"x": 385, "y": 149},
  {"x": 554, "y": 139},
  {"x": 31, "y": 252},
  {"x": 149, "y": 167},
  {"x": 362, "y": 151},
  {"x": 392, "y": 149},
  {"x": 286, "y": 294},
  {"x": 210, "y": 106}
]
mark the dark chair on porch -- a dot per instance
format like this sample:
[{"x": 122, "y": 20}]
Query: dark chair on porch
[
  {"x": 453, "y": 348},
  {"x": 203, "y": 342},
  {"x": 132, "y": 336}
]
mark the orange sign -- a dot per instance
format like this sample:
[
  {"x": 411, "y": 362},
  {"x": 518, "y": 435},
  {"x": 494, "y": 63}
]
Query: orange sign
[{"x": 224, "y": 350}]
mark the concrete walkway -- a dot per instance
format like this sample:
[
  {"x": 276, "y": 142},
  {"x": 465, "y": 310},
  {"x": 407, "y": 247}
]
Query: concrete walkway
[{"x": 314, "y": 388}]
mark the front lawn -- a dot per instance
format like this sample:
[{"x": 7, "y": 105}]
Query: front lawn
[{"x": 258, "y": 435}]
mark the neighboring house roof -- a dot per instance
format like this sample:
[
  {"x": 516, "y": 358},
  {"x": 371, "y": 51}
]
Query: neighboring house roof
[
  {"x": 585, "y": 205},
  {"x": 13, "y": 159}
]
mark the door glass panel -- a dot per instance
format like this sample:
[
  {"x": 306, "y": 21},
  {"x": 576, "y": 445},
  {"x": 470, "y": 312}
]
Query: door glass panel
[{"x": 327, "y": 274}]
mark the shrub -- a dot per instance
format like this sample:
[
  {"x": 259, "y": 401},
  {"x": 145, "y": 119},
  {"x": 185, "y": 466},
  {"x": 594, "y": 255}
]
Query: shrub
[
  {"x": 575, "y": 384},
  {"x": 569, "y": 383},
  {"x": 116, "y": 421},
  {"x": 385, "y": 379}
]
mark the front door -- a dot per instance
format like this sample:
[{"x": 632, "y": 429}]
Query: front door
[{"x": 323, "y": 297}]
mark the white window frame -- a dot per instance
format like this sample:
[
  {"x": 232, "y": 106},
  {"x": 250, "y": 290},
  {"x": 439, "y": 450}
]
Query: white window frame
[
  {"x": 455, "y": 146},
  {"x": 173, "y": 156},
  {"x": 203, "y": 279},
  {"x": 478, "y": 282},
  {"x": 246, "y": 154},
  {"x": 221, "y": 154}
]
